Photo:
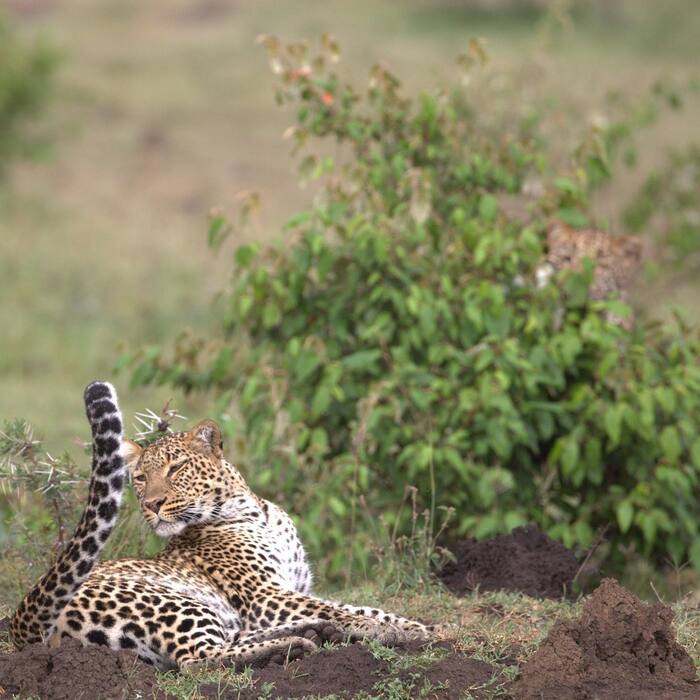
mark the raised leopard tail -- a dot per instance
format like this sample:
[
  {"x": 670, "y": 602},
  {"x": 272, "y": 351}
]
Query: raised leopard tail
[{"x": 37, "y": 614}]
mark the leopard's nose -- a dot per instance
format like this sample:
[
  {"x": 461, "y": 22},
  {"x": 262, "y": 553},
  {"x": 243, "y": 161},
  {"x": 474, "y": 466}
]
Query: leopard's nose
[{"x": 154, "y": 504}]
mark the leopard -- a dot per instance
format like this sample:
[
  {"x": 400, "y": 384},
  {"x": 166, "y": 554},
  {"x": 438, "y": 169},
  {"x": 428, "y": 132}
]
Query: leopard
[
  {"x": 233, "y": 585},
  {"x": 617, "y": 261}
]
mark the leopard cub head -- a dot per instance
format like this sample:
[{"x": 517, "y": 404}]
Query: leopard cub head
[
  {"x": 567, "y": 247},
  {"x": 181, "y": 479}
]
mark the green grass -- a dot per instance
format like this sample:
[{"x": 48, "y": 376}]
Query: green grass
[{"x": 502, "y": 629}]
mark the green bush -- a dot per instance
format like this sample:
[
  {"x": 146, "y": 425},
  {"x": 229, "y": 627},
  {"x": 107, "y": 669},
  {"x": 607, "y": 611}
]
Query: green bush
[
  {"x": 395, "y": 335},
  {"x": 26, "y": 78}
]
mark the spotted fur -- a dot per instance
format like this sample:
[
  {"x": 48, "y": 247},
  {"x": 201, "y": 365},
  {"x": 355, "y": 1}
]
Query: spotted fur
[
  {"x": 36, "y": 617},
  {"x": 233, "y": 584},
  {"x": 617, "y": 260}
]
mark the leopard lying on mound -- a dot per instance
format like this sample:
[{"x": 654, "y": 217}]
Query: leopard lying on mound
[{"x": 231, "y": 587}]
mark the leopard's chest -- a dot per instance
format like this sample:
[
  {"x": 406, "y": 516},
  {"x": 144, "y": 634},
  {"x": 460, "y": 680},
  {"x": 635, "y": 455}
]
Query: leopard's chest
[{"x": 243, "y": 555}]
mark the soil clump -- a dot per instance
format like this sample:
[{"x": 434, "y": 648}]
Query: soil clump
[
  {"x": 619, "y": 648},
  {"x": 526, "y": 560},
  {"x": 74, "y": 672},
  {"x": 348, "y": 670}
]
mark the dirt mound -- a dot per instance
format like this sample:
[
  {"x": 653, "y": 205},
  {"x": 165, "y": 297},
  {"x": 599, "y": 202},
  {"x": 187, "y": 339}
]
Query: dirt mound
[
  {"x": 526, "y": 560},
  {"x": 450, "y": 678},
  {"x": 349, "y": 670},
  {"x": 74, "y": 672},
  {"x": 619, "y": 648}
]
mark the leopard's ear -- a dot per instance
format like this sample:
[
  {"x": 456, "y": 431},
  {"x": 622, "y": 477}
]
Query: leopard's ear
[
  {"x": 131, "y": 453},
  {"x": 205, "y": 437},
  {"x": 556, "y": 231},
  {"x": 633, "y": 247}
]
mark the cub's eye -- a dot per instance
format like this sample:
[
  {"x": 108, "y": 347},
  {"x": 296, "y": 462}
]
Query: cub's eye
[
  {"x": 138, "y": 479},
  {"x": 176, "y": 466}
]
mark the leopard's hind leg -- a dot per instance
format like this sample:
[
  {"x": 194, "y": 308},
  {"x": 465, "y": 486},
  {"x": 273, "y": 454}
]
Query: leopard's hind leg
[
  {"x": 296, "y": 612},
  {"x": 317, "y": 630}
]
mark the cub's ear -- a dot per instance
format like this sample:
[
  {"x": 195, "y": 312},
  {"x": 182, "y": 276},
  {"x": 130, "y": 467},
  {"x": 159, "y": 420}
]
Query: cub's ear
[
  {"x": 131, "y": 453},
  {"x": 556, "y": 231},
  {"x": 205, "y": 437}
]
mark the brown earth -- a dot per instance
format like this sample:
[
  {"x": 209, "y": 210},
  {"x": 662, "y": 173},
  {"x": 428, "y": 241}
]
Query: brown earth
[
  {"x": 348, "y": 670},
  {"x": 619, "y": 648},
  {"x": 526, "y": 560},
  {"x": 74, "y": 672}
]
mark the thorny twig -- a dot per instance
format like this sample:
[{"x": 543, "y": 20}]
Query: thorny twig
[
  {"x": 152, "y": 424},
  {"x": 25, "y": 468}
]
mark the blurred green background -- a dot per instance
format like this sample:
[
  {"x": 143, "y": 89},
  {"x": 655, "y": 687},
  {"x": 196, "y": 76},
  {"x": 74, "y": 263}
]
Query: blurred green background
[{"x": 164, "y": 109}]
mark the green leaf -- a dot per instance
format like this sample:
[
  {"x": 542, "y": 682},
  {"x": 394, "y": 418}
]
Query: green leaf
[
  {"x": 422, "y": 398},
  {"x": 219, "y": 228},
  {"x": 245, "y": 254},
  {"x": 666, "y": 399},
  {"x": 271, "y": 314},
  {"x": 648, "y": 524},
  {"x": 319, "y": 441},
  {"x": 298, "y": 220},
  {"x": 584, "y": 533},
  {"x": 124, "y": 360},
  {"x": 245, "y": 304},
  {"x": 362, "y": 360},
  {"x": 695, "y": 453},
  {"x": 573, "y": 217},
  {"x": 613, "y": 424},
  {"x": 305, "y": 364},
  {"x": 569, "y": 456},
  {"x": 675, "y": 478},
  {"x": 221, "y": 364},
  {"x": 625, "y": 513},
  {"x": 488, "y": 208},
  {"x": 564, "y": 184},
  {"x": 321, "y": 402},
  {"x": 576, "y": 285},
  {"x": 670, "y": 444},
  {"x": 594, "y": 461},
  {"x": 337, "y": 506},
  {"x": 694, "y": 553}
]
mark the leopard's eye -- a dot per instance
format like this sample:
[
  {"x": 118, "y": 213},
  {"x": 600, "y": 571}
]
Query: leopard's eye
[
  {"x": 176, "y": 466},
  {"x": 138, "y": 479}
]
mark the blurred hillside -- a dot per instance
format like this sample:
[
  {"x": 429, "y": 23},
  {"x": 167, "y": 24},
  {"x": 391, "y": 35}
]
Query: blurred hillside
[{"x": 165, "y": 109}]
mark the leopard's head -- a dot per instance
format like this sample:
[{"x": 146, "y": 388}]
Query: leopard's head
[
  {"x": 630, "y": 249},
  {"x": 562, "y": 249},
  {"x": 181, "y": 479}
]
